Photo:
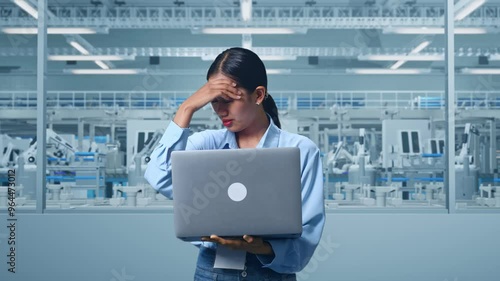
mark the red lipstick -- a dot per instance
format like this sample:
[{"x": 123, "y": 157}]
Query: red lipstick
[{"x": 227, "y": 122}]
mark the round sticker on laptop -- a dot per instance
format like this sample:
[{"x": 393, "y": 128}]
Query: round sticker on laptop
[{"x": 237, "y": 192}]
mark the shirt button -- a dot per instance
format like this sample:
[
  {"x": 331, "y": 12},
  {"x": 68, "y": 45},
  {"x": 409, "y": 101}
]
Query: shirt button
[{"x": 244, "y": 274}]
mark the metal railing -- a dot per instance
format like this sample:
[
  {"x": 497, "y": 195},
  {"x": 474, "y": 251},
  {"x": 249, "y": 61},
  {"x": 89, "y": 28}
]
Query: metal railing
[
  {"x": 338, "y": 16},
  {"x": 285, "y": 100},
  {"x": 200, "y": 52}
]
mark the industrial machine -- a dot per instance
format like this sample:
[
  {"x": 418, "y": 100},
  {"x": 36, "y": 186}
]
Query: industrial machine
[
  {"x": 410, "y": 169},
  {"x": 137, "y": 168},
  {"x": 10, "y": 149}
]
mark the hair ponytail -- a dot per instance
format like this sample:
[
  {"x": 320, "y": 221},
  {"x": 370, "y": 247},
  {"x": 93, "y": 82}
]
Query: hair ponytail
[{"x": 271, "y": 109}]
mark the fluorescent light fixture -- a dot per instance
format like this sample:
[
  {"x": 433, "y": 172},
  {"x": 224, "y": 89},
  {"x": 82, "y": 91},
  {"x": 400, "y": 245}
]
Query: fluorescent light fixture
[
  {"x": 104, "y": 71},
  {"x": 420, "y": 47},
  {"x": 417, "y": 49},
  {"x": 264, "y": 58},
  {"x": 79, "y": 47},
  {"x": 481, "y": 71},
  {"x": 387, "y": 71},
  {"x": 460, "y": 4},
  {"x": 54, "y": 30},
  {"x": 433, "y": 30},
  {"x": 208, "y": 57},
  {"x": 267, "y": 58},
  {"x": 467, "y": 10},
  {"x": 278, "y": 71},
  {"x": 246, "y": 9},
  {"x": 494, "y": 57},
  {"x": 398, "y": 64},
  {"x": 401, "y": 57},
  {"x": 27, "y": 8},
  {"x": 90, "y": 58},
  {"x": 101, "y": 64},
  {"x": 250, "y": 30}
]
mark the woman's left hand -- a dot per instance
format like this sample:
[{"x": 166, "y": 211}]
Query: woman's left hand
[{"x": 251, "y": 244}]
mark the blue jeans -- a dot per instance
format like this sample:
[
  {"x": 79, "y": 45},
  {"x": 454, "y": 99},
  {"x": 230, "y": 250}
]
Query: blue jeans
[{"x": 253, "y": 271}]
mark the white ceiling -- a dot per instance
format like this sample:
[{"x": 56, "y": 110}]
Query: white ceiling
[{"x": 184, "y": 38}]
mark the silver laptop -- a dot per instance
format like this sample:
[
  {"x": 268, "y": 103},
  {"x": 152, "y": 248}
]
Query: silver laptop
[{"x": 233, "y": 192}]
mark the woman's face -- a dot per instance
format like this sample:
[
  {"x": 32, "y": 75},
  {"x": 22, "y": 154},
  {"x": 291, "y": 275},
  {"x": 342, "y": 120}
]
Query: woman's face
[{"x": 236, "y": 115}]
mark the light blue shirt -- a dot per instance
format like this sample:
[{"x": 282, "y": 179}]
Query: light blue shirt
[{"x": 290, "y": 255}]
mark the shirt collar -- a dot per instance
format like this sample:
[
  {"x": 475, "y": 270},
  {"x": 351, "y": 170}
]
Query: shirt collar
[{"x": 269, "y": 139}]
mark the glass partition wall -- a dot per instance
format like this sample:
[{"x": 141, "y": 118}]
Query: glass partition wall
[{"x": 367, "y": 82}]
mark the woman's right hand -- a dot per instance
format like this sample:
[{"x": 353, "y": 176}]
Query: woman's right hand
[{"x": 223, "y": 88}]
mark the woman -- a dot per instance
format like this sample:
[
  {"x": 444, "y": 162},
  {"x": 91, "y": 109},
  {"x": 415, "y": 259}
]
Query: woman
[{"x": 237, "y": 90}]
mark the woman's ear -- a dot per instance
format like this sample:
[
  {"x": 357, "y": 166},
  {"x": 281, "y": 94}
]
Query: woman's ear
[{"x": 260, "y": 92}]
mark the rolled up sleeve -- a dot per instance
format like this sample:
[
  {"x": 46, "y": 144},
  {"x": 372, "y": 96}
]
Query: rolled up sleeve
[{"x": 159, "y": 170}]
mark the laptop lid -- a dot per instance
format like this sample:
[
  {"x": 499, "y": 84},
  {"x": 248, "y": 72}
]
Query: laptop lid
[{"x": 233, "y": 192}]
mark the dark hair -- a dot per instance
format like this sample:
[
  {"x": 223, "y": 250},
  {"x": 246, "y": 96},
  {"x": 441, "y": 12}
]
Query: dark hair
[{"x": 249, "y": 71}]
